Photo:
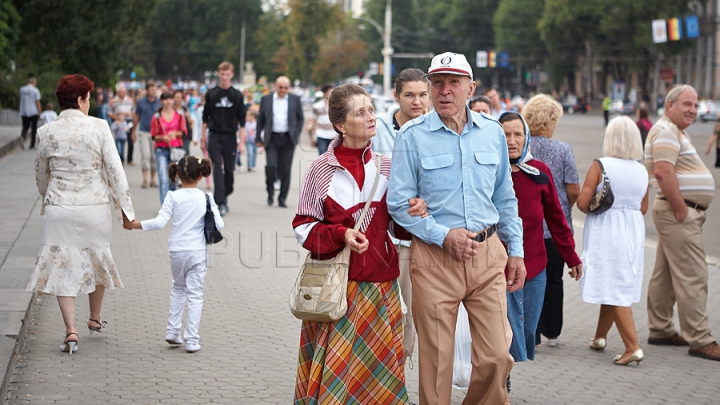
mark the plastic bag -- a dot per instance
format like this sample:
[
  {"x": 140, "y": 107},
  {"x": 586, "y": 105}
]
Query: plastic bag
[{"x": 462, "y": 366}]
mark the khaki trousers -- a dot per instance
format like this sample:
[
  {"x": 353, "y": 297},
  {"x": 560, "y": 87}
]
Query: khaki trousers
[
  {"x": 439, "y": 284},
  {"x": 680, "y": 275}
]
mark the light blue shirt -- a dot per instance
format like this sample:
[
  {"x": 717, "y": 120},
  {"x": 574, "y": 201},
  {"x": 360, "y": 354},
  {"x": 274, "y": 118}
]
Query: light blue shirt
[{"x": 465, "y": 180}]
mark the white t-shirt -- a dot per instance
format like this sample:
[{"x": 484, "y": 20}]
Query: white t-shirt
[
  {"x": 29, "y": 95},
  {"x": 324, "y": 128},
  {"x": 48, "y": 116},
  {"x": 187, "y": 208}
]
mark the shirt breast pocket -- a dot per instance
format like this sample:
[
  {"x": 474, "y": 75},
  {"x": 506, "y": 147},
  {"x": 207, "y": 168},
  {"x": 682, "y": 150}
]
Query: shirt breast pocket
[
  {"x": 437, "y": 173},
  {"x": 486, "y": 170}
]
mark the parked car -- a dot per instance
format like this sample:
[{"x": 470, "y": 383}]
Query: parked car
[
  {"x": 573, "y": 104},
  {"x": 708, "y": 110},
  {"x": 383, "y": 104},
  {"x": 622, "y": 107}
]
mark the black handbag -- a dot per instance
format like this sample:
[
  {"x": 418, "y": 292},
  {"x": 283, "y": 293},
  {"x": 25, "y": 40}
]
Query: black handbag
[
  {"x": 212, "y": 234},
  {"x": 603, "y": 200}
]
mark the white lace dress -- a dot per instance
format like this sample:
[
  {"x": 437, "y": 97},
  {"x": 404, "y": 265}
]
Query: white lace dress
[
  {"x": 613, "y": 242},
  {"x": 81, "y": 179}
]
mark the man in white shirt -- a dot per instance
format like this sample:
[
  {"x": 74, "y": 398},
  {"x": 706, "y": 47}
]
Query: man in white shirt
[
  {"x": 29, "y": 111},
  {"x": 281, "y": 119}
]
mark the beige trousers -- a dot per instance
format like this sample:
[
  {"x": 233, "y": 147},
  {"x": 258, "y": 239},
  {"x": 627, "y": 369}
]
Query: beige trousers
[
  {"x": 439, "y": 284},
  {"x": 147, "y": 152},
  {"x": 680, "y": 275}
]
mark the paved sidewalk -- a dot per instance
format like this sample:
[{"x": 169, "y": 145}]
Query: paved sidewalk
[{"x": 250, "y": 339}]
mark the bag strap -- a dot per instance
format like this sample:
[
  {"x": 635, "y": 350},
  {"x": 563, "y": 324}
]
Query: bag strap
[
  {"x": 606, "y": 179},
  {"x": 372, "y": 195},
  {"x": 207, "y": 202},
  {"x": 601, "y": 167}
]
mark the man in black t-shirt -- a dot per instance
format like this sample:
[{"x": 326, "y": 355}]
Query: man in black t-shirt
[{"x": 224, "y": 117}]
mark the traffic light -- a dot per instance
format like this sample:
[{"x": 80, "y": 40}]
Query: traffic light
[{"x": 361, "y": 74}]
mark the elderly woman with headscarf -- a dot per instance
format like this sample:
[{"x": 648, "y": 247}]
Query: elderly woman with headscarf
[{"x": 537, "y": 201}]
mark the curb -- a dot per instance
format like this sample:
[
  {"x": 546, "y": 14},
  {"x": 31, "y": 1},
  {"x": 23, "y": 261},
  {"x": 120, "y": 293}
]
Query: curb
[
  {"x": 15, "y": 355},
  {"x": 10, "y": 146}
]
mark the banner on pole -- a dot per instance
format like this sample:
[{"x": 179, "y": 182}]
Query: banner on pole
[
  {"x": 481, "y": 59},
  {"x": 659, "y": 28},
  {"x": 492, "y": 59},
  {"x": 674, "y": 29},
  {"x": 692, "y": 26}
]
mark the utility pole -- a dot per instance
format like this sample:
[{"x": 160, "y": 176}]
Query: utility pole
[
  {"x": 387, "y": 50},
  {"x": 241, "y": 70}
]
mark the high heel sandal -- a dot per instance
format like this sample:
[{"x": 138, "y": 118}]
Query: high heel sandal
[
  {"x": 598, "y": 344},
  {"x": 638, "y": 356},
  {"x": 101, "y": 329},
  {"x": 69, "y": 345}
]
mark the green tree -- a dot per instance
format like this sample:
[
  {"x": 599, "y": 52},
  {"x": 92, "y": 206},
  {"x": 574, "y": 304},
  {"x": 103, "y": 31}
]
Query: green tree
[
  {"x": 9, "y": 32},
  {"x": 78, "y": 36},
  {"x": 617, "y": 32},
  {"x": 308, "y": 22},
  {"x": 516, "y": 29},
  {"x": 268, "y": 40},
  {"x": 342, "y": 54}
]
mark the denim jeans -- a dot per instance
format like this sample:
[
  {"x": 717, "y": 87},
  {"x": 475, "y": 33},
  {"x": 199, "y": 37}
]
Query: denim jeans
[
  {"x": 162, "y": 160},
  {"x": 251, "y": 154},
  {"x": 523, "y": 313},
  {"x": 120, "y": 144},
  {"x": 322, "y": 145}
]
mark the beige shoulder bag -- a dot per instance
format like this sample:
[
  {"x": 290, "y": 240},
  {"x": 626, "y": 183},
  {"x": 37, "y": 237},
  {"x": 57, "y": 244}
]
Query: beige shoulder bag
[{"x": 320, "y": 291}]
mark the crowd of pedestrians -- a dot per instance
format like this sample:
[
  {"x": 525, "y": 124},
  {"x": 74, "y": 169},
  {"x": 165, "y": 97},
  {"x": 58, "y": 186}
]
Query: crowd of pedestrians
[{"x": 471, "y": 205}]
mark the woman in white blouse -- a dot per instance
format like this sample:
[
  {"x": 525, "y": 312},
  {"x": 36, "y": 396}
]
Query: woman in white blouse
[{"x": 80, "y": 178}]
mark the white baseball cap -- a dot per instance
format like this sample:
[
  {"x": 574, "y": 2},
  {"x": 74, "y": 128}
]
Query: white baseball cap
[{"x": 451, "y": 64}]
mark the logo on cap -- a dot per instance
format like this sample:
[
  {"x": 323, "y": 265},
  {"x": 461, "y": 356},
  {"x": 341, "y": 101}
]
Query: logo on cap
[{"x": 446, "y": 60}]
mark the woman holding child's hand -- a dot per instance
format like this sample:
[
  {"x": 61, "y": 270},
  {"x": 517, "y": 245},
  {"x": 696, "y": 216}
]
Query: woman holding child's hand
[{"x": 80, "y": 178}]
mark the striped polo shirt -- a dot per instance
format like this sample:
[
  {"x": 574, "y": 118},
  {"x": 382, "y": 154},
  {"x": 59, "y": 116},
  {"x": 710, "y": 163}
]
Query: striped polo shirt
[{"x": 667, "y": 143}]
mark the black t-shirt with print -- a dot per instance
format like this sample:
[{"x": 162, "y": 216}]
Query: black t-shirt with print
[{"x": 224, "y": 110}]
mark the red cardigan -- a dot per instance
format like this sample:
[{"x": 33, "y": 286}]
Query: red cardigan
[
  {"x": 535, "y": 203},
  {"x": 331, "y": 200}
]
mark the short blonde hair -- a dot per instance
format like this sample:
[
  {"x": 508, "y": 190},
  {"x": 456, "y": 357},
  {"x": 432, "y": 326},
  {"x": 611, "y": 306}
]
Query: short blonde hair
[
  {"x": 541, "y": 113},
  {"x": 226, "y": 66},
  {"x": 622, "y": 139}
]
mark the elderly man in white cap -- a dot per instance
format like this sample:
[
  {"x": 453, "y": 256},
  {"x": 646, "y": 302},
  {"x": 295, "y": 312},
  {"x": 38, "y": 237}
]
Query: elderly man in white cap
[{"x": 457, "y": 161}]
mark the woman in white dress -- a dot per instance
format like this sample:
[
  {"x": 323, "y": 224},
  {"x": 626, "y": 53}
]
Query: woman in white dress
[
  {"x": 80, "y": 179},
  {"x": 613, "y": 242}
]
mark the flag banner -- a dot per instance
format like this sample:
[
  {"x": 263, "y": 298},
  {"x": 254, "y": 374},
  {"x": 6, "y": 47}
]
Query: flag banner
[
  {"x": 674, "y": 29},
  {"x": 659, "y": 28},
  {"x": 481, "y": 59},
  {"x": 504, "y": 58},
  {"x": 492, "y": 57},
  {"x": 692, "y": 26}
]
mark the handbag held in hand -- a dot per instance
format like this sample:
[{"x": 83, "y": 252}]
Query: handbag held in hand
[
  {"x": 320, "y": 290},
  {"x": 602, "y": 200},
  {"x": 212, "y": 235}
]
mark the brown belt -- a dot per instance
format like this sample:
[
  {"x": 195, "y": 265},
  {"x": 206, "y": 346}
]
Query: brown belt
[{"x": 690, "y": 204}]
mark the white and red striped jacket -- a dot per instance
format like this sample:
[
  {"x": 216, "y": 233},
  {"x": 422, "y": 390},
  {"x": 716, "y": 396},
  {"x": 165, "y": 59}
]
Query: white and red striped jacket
[{"x": 331, "y": 202}]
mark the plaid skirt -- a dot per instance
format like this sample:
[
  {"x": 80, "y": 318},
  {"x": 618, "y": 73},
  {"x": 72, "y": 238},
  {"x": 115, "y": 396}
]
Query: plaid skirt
[{"x": 357, "y": 359}]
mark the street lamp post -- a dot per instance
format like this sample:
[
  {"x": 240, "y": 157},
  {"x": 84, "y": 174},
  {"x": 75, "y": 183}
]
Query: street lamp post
[{"x": 387, "y": 50}]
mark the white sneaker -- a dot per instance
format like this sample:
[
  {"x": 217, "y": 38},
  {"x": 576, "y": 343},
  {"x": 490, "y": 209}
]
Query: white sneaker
[
  {"x": 173, "y": 339},
  {"x": 553, "y": 342},
  {"x": 192, "y": 347}
]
